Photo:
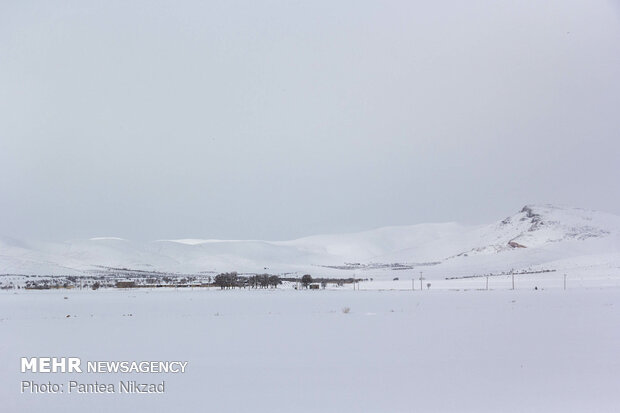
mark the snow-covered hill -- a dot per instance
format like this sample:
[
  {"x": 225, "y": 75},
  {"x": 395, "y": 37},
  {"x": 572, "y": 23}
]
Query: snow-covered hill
[{"x": 537, "y": 237}]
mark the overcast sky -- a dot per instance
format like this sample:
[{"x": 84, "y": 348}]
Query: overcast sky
[{"x": 279, "y": 119}]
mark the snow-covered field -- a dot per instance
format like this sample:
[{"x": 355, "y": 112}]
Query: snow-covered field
[{"x": 526, "y": 350}]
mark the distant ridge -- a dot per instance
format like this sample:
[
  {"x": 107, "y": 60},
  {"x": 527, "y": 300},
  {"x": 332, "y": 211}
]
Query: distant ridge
[{"x": 537, "y": 236}]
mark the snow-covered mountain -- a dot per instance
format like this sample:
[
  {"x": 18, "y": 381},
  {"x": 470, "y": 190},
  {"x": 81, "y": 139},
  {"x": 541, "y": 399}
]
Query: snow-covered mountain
[{"x": 537, "y": 237}]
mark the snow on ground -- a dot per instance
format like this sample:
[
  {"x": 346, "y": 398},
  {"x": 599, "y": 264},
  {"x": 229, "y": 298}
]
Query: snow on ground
[
  {"x": 545, "y": 350},
  {"x": 549, "y": 281}
]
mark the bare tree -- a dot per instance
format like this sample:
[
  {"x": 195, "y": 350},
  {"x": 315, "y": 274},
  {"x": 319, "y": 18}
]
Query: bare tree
[{"x": 306, "y": 280}]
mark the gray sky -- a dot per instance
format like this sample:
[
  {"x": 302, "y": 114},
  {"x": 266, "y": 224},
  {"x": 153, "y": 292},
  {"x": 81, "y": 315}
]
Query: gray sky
[{"x": 278, "y": 119}]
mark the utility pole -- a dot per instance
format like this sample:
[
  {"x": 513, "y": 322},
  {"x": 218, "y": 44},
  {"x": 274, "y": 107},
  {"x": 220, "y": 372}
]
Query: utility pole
[
  {"x": 421, "y": 278},
  {"x": 487, "y": 282},
  {"x": 513, "y": 281},
  {"x": 413, "y": 284},
  {"x": 565, "y": 281}
]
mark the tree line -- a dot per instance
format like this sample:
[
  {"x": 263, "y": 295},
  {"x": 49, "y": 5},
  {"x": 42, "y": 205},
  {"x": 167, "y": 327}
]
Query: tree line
[{"x": 229, "y": 280}]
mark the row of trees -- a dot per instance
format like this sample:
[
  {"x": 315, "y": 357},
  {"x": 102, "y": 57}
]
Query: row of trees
[{"x": 229, "y": 280}]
